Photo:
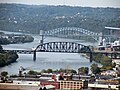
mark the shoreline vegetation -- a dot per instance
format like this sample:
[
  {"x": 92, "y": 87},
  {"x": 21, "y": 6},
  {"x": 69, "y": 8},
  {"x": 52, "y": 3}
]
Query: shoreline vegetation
[
  {"x": 105, "y": 61},
  {"x": 18, "y": 18},
  {"x": 6, "y": 58},
  {"x": 14, "y": 38}
]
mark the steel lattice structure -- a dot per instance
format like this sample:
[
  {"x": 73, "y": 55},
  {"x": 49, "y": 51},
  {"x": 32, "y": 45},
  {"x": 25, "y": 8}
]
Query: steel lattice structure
[
  {"x": 67, "y": 47},
  {"x": 74, "y": 30}
]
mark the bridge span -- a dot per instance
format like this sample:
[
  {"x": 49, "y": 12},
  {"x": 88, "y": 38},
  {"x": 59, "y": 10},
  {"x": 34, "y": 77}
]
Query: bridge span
[
  {"x": 71, "y": 31},
  {"x": 61, "y": 47},
  {"x": 66, "y": 47}
]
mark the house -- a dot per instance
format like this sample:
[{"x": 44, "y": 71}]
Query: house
[{"x": 109, "y": 72}]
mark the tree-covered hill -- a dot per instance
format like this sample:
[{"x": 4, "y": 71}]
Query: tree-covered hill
[{"x": 31, "y": 18}]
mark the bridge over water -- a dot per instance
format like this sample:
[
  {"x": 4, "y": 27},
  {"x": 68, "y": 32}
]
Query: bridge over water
[
  {"x": 65, "y": 47},
  {"x": 79, "y": 33},
  {"x": 61, "y": 47},
  {"x": 71, "y": 31}
]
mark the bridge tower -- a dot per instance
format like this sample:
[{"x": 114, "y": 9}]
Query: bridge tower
[
  {"x": 40, "y": 43},
  {"x": 41, "y": 34}
]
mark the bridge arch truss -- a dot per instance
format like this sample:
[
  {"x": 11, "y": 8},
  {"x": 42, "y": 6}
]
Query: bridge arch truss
[
  {"x": 67, "y": 47},
  {"x": 71, "y": 30}
]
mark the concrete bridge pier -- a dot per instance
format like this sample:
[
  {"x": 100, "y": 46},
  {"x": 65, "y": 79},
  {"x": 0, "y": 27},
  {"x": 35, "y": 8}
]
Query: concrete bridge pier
[
  {"x": 90, "y": 57},
  {"x": 34, "y": 55}
]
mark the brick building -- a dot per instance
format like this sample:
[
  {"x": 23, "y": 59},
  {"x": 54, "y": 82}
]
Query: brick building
[{"x": 70, "y": 84}]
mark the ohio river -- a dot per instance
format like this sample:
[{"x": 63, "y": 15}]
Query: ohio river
[{"x": 46, "y": 60}]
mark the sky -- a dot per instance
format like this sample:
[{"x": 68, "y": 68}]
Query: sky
[{"x": 83, "y": 3}]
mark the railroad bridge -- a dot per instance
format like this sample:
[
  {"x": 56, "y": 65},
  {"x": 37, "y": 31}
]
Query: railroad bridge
[
  {"x": 66, "y": 47},
  {"x": 63, "y": 47}
]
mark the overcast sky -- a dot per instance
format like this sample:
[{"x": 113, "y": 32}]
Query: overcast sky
[{"x": 88, "y": 3}]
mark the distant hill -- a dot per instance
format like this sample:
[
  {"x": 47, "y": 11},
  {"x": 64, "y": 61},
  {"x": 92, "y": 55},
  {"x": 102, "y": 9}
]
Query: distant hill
[{"x": 31, "y": 18}]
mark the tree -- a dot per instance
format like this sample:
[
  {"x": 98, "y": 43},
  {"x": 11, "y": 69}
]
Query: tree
[
  {"x": 73, "y": 71},
  {"x": 106, "y": 61},
  {"x": 83, "y": 70},
  {"x": 4, "y": 73},
  {"x": 1, "y": 48},
  {"x": 43, "y": 71},
  {"x": 31, "y": 72},
  {"x": 49, "y": 71},
  {"x": 95, "y": 69},
  {"x": 113, "y": 65},
  {"x": 4, "y": 76}
]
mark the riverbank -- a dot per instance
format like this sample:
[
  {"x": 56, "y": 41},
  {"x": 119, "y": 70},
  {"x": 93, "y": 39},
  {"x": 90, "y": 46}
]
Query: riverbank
[
  {"x": 46, "y": 60},
  {"x": 7, "y": 58},
  {"x": 14, "y": 38}
]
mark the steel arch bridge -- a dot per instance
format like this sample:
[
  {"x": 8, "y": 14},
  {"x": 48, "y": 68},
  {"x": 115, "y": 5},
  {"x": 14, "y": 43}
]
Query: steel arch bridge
[
  {"x": 72, "y": 30},
  {"x": 63, "y": 47},
  {"x": 67, "y": 47}
]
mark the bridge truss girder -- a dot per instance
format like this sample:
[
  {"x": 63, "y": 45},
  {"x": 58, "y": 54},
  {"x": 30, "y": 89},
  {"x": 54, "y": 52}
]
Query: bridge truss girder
[
  {"x": 63, "y": 47},
  {"x": 68, "y": 47},
  {"x": 73, "y": 31}
]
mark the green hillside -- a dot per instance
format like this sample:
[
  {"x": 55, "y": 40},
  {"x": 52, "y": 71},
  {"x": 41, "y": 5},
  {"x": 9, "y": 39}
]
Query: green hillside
[{"x": 31, "y": 18}]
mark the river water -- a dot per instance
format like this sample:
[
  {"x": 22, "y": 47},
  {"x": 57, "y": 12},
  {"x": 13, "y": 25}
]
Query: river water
[{"x": 46, "y": 60}]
